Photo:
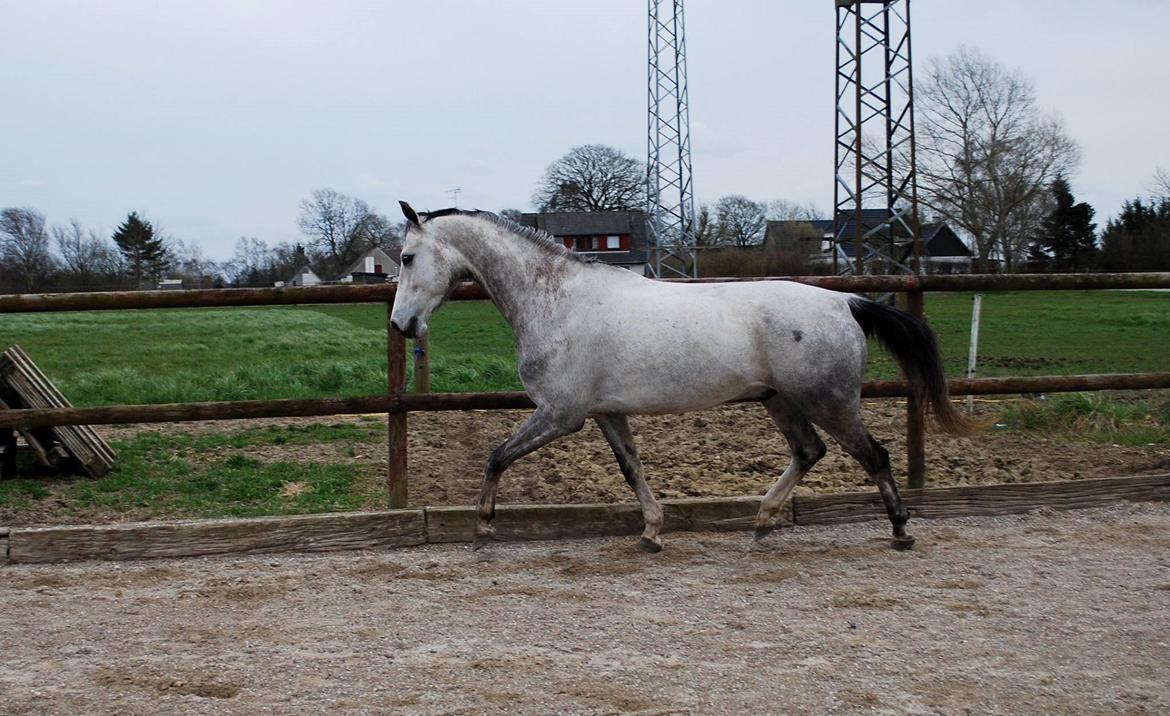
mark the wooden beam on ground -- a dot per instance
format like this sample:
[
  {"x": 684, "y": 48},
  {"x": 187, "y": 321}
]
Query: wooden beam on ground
[
  {"x": 400, "y": 528},
  {"x": 148, "y": 540},
  {"x": 942, "y": 502},
  {"x": 542, "y": 522}
]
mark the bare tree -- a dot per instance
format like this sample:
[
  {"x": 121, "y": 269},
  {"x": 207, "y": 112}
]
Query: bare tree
[
  {"x": 24, "y": 248},
  {"x": 706, "y": 228},
  {"x": 341, "y": 228},
  {"x": 986, "y": 153},
  {"x": 89, "y": 261},
  {"x": 287, "y": 259},
  {"x": 784, "y": 210},
  {"x": 189, "y": 263},
  {"x": 592, "y": 177},
  {"x": 1162, "y": 183},
  {"x": 741, "y": 220}
]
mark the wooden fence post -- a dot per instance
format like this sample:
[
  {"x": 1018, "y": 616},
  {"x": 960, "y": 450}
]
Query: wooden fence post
[
  {"x": 396, "y": 385},
  {"x": 422, "y": 365},
  {"x": 915, "y": 416}
]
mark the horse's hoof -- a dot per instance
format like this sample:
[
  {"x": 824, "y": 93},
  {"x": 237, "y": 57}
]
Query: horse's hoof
[
  {"x": 650, "y": 545},
  {"x": 762, "y": 532},
  {"x": 480, "y": 542},
  {"x": 902, "y": 543}
]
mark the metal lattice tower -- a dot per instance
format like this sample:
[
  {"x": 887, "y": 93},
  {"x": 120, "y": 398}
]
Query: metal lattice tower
[
  {"x": 670, "y": 198},
  {"x": 875, "y": 163}
]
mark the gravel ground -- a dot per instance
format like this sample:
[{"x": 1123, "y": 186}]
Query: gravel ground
[{"x": 1040, "y": 613}]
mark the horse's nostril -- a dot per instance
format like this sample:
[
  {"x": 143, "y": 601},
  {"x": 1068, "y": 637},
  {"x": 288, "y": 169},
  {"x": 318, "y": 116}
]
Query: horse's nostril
[{"x": 408, "y": 330}]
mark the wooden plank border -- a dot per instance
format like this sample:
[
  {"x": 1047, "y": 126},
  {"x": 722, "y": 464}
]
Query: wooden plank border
[
  {"x": 402, "y": 528},
  {"x": 192, "y": 538},
  {"x": 541, "y": 522},
  {"x": 941, "y": 502}
]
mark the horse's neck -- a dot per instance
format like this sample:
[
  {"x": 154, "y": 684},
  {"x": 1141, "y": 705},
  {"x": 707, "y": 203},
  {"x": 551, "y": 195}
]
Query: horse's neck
[{"x": 522, "y": 280}]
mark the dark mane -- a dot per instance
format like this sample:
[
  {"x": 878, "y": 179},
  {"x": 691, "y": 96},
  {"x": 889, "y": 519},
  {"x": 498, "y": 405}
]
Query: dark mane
[{"x": 543, "y": 239}]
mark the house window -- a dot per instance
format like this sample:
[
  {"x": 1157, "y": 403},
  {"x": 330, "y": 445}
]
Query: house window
[
  {"x": 613, "y": 243},
  {"x": 377, "y": 268}
]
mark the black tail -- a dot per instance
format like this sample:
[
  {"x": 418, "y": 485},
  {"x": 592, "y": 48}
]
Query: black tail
[{"x": 912, "y": 343}]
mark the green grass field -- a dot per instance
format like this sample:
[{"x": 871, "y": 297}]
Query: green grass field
[{"x": 159, "y": 356}]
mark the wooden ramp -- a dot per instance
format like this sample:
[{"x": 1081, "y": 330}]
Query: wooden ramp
[{"x": 23, "y": 385}]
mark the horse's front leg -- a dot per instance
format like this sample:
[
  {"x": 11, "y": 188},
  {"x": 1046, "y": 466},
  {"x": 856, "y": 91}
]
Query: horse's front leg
[
  {"x": 616, "y": 429},
  {"x": 541, "y": 428}
]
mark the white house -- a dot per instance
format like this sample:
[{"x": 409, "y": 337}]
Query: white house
[
  {"x": 304, "y": 277},
  {"x": 374, "y": 266}
]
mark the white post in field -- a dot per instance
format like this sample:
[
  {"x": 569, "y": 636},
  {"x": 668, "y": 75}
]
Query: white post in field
[{"x": 973, "y": 351}]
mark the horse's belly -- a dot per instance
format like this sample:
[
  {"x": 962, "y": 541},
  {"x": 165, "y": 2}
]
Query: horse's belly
[{"x": 659, "y": 394}]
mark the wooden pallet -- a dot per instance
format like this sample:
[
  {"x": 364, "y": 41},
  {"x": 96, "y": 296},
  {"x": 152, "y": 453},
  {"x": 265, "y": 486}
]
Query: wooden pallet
[{"x": 27, "y": 387}]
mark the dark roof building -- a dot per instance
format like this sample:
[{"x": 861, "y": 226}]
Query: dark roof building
[
  {"x": 942, "y": 249},
  {"x": 613, "y": 237}
]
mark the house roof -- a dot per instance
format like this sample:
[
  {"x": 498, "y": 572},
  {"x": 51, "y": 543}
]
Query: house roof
[
  {"x": 303, "y": 271},
  {"x": 938, "y": 239},
  {"x": 566, "y": 224},
  {"x": 586, "y": 223},
  {"x": 380, "y": 257}
]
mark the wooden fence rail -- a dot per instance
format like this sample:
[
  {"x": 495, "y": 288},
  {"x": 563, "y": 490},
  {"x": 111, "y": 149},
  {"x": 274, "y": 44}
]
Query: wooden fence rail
[
  {"x": 376, "y": 293},
  {"x": 397, "y": 403},
  {"x": 400, "y": 402}
]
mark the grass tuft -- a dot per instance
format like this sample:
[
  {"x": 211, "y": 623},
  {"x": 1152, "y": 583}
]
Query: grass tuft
[{"x": 1101, "y": 416}]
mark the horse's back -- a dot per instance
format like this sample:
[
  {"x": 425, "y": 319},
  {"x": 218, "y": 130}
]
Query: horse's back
[{"x": 633, "y": 345}]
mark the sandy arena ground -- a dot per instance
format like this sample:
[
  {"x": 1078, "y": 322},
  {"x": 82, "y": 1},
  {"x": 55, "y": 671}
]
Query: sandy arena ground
[{"x": 1041, "y": 613}]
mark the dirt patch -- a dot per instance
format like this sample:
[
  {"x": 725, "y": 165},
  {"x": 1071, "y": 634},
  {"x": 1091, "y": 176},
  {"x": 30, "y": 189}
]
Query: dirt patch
[
  {"x": 197, "y": 684},
  {"x": 987, "y": 615}
]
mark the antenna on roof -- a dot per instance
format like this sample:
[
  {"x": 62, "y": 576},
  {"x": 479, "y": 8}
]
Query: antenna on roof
[{"x": 455, "y": 195}]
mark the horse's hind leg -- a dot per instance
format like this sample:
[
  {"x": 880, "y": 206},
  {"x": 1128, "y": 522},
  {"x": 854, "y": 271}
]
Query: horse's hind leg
[
  {"x": 846, "y": 427},
  {"x": 541, "y": 428},
  {"x": 616, "y": 429},
  {"x": 807, "y": 448}
]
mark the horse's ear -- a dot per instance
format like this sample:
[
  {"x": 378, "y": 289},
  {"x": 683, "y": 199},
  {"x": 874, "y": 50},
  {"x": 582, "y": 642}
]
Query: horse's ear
[{"x": 410, "y": 214}]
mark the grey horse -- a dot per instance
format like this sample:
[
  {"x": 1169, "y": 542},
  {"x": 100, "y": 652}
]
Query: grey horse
[{"x": 600, "y": 342}]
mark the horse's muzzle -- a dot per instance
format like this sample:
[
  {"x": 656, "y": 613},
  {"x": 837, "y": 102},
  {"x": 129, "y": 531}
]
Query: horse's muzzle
[{"x": 411, "y": 329}]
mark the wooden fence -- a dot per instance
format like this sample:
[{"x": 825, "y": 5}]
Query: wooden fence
[
  {"x": 432, "y": 525},
  {"x": 397, "y": 403}
]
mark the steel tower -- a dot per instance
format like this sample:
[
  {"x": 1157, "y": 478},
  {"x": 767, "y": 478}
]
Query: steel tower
[
  {"x": 670, "y": 198},
  {"x": 875, "y": 196}
]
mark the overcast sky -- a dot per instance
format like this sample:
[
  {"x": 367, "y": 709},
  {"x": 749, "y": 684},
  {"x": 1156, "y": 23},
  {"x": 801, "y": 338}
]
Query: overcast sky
[{"x": 216, "y": 118}]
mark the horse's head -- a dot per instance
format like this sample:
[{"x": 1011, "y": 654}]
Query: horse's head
[{"x": 430, "y": 269}]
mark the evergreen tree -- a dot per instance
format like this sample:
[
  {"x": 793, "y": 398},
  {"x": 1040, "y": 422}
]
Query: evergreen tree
[
  {"x": 145, "y": 253},
  {"x": 1068, "y": 233},
  {"x": 1138, "y": 239},
  {"x": 1037, "y": 258}
]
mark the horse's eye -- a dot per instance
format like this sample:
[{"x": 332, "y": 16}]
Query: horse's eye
[{"x": 407, "y": 258}]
